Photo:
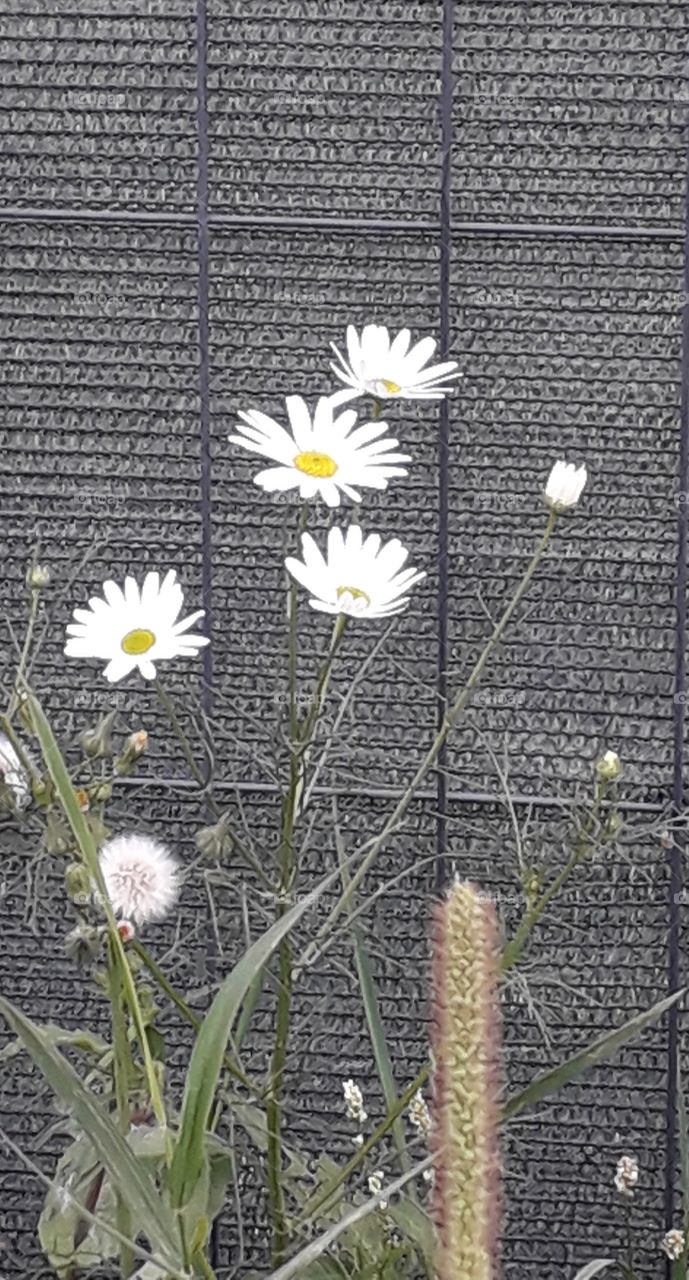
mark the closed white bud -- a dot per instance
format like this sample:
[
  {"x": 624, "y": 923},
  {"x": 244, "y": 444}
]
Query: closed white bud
[{"x": 564, "y": 486}]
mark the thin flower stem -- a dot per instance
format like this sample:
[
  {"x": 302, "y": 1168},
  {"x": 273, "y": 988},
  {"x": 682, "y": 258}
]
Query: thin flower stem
[
  {"x": 181, "y": 1005},
  {"x": 451, "y": 717},
  {"x": 514, "y": 948},
  {"x": 184, "y": 743},
  {"x": 26, "y": 649},
  {"x": 182, "y": 738},
  {"x": 122, "y": 1066}
]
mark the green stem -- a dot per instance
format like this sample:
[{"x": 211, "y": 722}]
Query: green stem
[
  {"x": 26, "y": 649},
  {"x": 122, "y": 1075},
  {"x": 451, "y": 717},
  {"x": 514, "y": 948},
  {"x": 181, "y": 1005},
  {"x": 181, "y": 737}
]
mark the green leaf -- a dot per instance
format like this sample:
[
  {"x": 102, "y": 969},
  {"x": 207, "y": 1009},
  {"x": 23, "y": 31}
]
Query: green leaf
[
  {"x": 209, "y": 1049},
  {"x": 594, "y": 1268},
  {"x": 131, "y": 1179},
  {"x": 67, "y": 1238},
  {"x": 551, "y": 1081}
]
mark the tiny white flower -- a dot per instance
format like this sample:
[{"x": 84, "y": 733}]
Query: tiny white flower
[
  {"x": 325, "y": 455},
  {"x": 375, "y": 1185},
  {"x": 354, "y": 1101},
  {"x": 626, "y": 1175},
  {"x": 673, "y": 1244},
  {"x": 142, "y": 879},
  {"x": 12, "y": 773},
  {"x": 564, "y": 486},
  {"x": 419, "y": 1115},
  {"x": 360, "y": 578},
  {"x": 391, "y": 369},
  {"x": 134, "y": 628}
]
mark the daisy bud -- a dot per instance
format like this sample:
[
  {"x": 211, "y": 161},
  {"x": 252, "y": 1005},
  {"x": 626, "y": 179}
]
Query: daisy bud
[
  {"x": 56, "y": 837},
  {"x": 97, "y": 742},
  {"x": 626, "y": 1175},
  {"x": 214, "y": 842},
  {"x": 673, "y": 1244},
  {"x": 83, "y": 944},
  {"x": 609, "y": 767},
  {"x": 126, "y": 930},
  {"x": 37, "y": 577},
  {"x": 134, "y": 748},
  {"x": 564, "y": 486},
  {"x": 43, "y": 792},
  {"x": 466, "y": 967},
  {"x": 78, "y": 882},
  {"x": 102, "y": 793}
]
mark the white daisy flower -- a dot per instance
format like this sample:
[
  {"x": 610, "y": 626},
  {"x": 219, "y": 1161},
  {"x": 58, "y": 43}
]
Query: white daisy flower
[
  {"x": 363, "y": 579},
  {"x": 392, "y": 370},
  {"x": 135, "y": 627},
  {"x": 564, "y": 486},
  {"x": 12, "y": 774},
  {"x": 142, "y": 879},
  {"x": 324, "y": 454}
]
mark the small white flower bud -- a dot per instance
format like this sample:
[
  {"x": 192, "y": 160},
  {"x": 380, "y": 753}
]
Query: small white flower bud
[
  {"x": 609, "y": 767},
  {"x": 564, "y": 486},
  {"x": 626, "y": 1175},
  {"x": 673, "y": 1244}
]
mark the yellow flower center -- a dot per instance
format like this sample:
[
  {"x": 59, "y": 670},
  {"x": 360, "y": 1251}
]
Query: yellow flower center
[
  {"x": 392, "y": 388},
  {"x": 319, "y": 465},
  {"x": 138, "y": 641},
  {"x": 355, "y": 594}
]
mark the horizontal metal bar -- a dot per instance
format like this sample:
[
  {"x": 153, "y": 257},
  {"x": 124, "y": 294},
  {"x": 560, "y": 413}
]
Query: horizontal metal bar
[
  {"x": 459, "y": 796},
  {"x": 349, "y": 226}
]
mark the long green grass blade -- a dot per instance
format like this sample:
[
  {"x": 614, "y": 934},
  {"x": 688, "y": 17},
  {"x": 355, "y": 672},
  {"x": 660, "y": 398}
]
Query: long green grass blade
[
  {"x": 207, "y": 1056},
  {"x": 544, "y": 1085},
  {"x": 131, "y": 1179}
]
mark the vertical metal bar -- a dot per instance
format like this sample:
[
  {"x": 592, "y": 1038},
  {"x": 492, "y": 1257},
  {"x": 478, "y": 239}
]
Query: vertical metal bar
[
  {"x": 679, "y": 724},
  {"x": 444, "y": 424},
  {"x": 203, "y": 339},
  {"x": 203, "y": 333}
]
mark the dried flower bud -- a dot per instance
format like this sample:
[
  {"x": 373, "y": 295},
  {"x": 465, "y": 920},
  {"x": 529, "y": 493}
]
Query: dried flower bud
[
  {"x": 673, "y": 1244},
  {"x": 82, "y": 798},
  {"x": 626, "y": 1175},
  {"x": 101, "y": 793},
  {"x": 126, "y": 930},
  {"x": 214, "y": 842},
  {"x": 666, "y": 840},
  {"x": 419, "y": 1115},
  {"x": 37, "y": 577},
  {"x": 78, "y": 882},
  {"x": 609, "y": 767},
  {"x": 134, "y": 748},
  {"x": 97, "y": 742}
]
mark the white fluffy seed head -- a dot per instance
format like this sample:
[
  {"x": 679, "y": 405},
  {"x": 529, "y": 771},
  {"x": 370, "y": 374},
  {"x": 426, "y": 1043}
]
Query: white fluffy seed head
[{"x": 141, "y": 877}]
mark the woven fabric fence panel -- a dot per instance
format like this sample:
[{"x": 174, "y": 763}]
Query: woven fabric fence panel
[{"x": 195, "y": 199}]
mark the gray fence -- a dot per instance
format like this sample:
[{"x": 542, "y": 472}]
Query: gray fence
[{"x": 196, "y": 199}]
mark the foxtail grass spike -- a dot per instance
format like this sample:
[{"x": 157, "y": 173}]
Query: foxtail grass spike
[{"x": 466, "y": 1081}]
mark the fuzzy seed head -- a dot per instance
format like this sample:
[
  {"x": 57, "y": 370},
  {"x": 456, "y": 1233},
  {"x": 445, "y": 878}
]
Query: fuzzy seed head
[{"x": 141, "y": 878}]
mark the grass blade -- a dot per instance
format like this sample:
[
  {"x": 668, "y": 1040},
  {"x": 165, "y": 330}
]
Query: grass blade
[
  {"x": 128, "y": 1175},
  {"x": 601, "y": 1049}
]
